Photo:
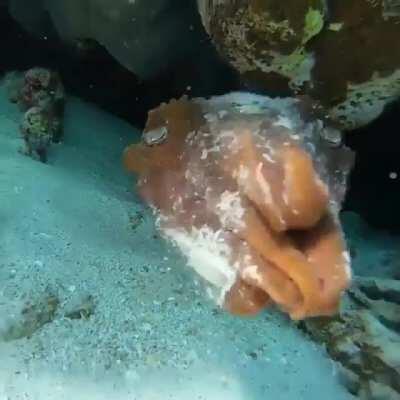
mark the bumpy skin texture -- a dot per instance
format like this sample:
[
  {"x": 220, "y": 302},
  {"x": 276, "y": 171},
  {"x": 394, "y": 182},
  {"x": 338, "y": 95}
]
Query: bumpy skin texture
[
  {"x": 236, "y": 189},
  {"x": 341, "y": 52}
]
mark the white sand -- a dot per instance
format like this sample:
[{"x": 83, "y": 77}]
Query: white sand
[{"x": 65, "y": 231}]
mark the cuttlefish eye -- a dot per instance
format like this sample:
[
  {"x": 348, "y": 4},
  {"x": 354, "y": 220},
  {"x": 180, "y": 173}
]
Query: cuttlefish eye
[{"x": 155, "y": 137}]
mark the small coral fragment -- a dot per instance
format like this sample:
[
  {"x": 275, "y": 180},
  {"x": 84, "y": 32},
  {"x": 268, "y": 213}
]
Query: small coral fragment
[
  {"x": 40, "y": 95},
  {"x": 38, "y": 127},
  {"x": 41, "y": 88},
  {"x": 249, "y": 192}
]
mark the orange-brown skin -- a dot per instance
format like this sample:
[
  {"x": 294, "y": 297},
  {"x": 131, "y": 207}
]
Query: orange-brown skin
[{"x": 292, "y": 239}]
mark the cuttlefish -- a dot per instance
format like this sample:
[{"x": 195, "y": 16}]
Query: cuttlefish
[{"x": 244, "y": 189}]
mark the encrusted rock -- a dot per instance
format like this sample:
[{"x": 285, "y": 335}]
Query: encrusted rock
[{"x": 341, "y": 52}]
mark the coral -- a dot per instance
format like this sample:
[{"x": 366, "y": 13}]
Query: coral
[
  {"x": 266, "y": 38},
  {"x": 40, "y": 94},
  {"x": 38, "y": 127},
  {"x": 341, "y": 53},
  {"x": 249, "y": 192},
  {"x": 42, "y": 88}
]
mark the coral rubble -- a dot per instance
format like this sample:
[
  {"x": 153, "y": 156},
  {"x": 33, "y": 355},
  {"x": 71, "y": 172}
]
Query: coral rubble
[{"x": 249, "y": 192}]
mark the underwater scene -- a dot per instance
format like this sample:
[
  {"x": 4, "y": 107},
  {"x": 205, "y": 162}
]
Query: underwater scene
[{"x": 199, "y": 200}]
